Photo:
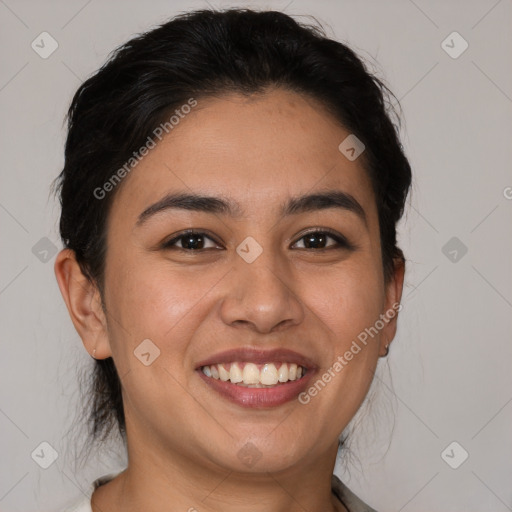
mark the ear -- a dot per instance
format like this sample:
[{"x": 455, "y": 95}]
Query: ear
[
  {"x": 83, "y": 301},
  {"x": 392, "y": 305}
]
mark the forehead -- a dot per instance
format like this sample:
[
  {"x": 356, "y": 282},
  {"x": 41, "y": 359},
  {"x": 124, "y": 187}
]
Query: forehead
[{"x": 256, "y": 150}]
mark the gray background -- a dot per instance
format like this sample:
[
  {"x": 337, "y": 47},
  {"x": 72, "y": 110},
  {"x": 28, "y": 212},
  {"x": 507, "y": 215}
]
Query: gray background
[{"x": 448, "y": 376}]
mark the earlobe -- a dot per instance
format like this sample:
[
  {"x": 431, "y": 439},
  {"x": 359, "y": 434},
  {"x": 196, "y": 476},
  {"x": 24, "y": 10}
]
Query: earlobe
[{"x": 83, "y": 301}]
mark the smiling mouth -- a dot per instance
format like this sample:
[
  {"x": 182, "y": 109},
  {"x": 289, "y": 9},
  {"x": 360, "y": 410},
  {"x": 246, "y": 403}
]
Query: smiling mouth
[{"x": 251, "y": 375}]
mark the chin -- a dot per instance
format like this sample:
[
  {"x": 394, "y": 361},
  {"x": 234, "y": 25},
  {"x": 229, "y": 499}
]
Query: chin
[{"x": 260, "y": 455}]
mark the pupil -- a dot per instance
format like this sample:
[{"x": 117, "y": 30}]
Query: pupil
[
  {"x": 191, "y": 241},
  {"x": 310, "y": 240}
]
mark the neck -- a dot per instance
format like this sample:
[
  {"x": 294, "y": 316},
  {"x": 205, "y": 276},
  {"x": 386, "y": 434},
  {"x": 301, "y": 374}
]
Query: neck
[{"x": 176, "y": 483}]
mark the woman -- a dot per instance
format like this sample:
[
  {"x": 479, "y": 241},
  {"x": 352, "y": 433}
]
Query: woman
[{"x": 230, "y": 194}]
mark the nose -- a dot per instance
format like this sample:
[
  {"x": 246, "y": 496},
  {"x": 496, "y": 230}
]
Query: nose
[{"x": 261, "y": 296}]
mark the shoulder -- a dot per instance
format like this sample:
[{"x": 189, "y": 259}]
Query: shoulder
[
  {"x": 82, "y": 505},
  {"x": 348, "y": 498}
]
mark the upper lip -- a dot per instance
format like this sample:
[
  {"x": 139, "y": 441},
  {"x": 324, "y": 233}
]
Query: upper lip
[{"x": 258, "y": 356}]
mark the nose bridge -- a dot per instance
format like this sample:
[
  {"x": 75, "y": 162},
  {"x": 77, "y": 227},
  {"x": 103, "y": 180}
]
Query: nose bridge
[
  {"x": 262, "y": 293},
  {"x": 264, "y": 276}
]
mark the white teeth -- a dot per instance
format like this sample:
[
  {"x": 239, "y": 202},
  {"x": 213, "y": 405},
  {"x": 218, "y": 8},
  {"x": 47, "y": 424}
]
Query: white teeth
[
  {"x": 235, "y": 374},
  {"x": 268, "y": 375},
  {"x": 252, "y": 376},
  {"x": 223, "y": 373},
  {"x": 283, "y": 373}
]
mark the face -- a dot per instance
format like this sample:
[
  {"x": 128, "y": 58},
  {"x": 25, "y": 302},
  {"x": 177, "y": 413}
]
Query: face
[{"x": 265, "y": 282}]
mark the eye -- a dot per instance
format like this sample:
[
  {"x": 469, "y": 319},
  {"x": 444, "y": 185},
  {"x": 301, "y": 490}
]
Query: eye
[
  {"x": 318, "y": 240},
  {"x": 190, "y": 241},
  {"x": 195, "y": 241}
]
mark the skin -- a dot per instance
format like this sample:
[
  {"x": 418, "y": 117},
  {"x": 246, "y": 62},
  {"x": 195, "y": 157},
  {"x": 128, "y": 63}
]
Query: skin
[{"x": 183, "y": 438}]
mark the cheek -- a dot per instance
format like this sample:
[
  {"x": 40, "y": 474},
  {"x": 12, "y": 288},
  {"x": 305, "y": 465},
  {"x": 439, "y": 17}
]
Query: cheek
[
  {"x": 148, "y": 303},
  {"x": 350, "y": 301},
  {"x": 153, "y": 301},
  {"x": 350, "y": 307},
  {"x": 348, "y": 370}
]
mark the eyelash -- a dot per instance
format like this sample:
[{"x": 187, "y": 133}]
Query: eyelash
[{"x": 341, "y": 241}]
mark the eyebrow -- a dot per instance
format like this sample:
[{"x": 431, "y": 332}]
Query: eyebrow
[{"x": 225, "y": 206}]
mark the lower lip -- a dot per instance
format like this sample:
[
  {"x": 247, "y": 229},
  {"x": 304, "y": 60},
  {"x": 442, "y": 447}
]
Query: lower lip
[{"x": 259, "y": 398}]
